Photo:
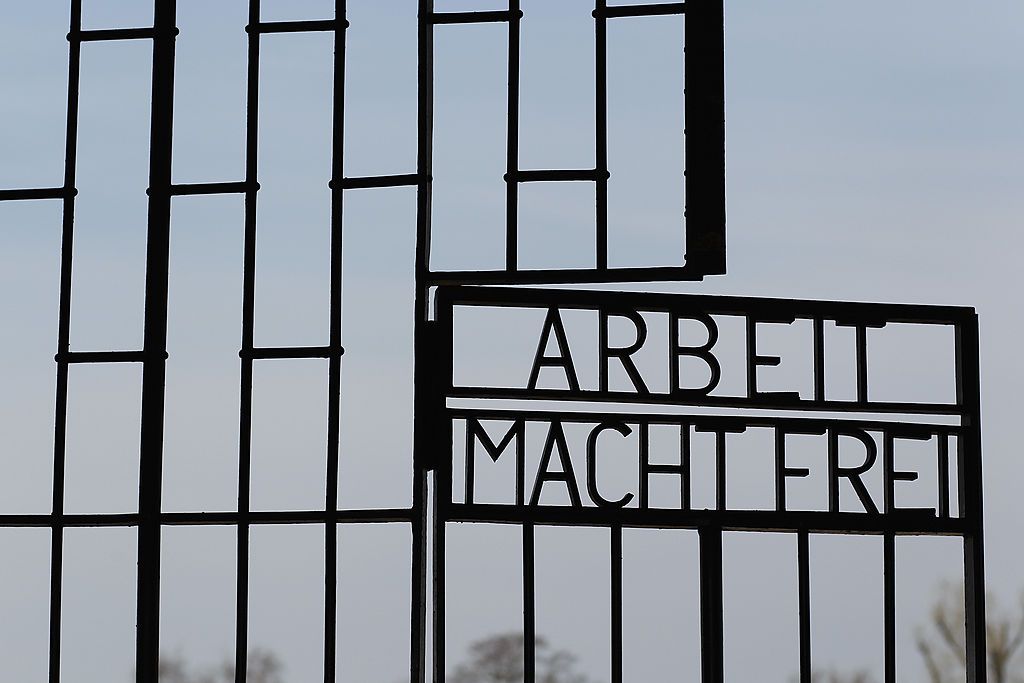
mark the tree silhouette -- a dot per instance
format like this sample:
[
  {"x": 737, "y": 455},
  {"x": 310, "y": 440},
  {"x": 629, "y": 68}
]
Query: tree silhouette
[
  {"x": 942, "y": 643},
  {"x": 262, "y": 666},
  {"x": 500, "y": 659}
]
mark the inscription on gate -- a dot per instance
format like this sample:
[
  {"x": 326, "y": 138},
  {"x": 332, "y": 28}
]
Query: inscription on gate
[{"x": 581, "y": 405}]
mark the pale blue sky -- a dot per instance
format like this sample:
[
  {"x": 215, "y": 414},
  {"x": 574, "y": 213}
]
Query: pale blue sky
[{"x": 874, "y": 153}]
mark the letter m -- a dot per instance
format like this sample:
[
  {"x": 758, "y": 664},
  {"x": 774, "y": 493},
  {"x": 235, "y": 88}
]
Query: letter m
[{"x": 475, "y": 432}]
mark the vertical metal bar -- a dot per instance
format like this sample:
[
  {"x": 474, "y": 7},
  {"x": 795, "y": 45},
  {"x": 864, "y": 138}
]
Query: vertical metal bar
[
  {"x": 529, "y": 605},
  {"x": 704, "y": 113},
  {"x": 889, "y": 598},
  {"x": 804, "y": 579},
  {"x": 969, "y": 467},
  {"x": 334, "y": 363},
  {"x": 684, "y": 464},
  {"x": 248, "y": 313},
  {"x": 512, "y": 142},
  {"x": 751, "y": 355},
  {"x": 422, "y": 339},
  {"x": 147, "y": 647},
  {"x": 943, "y": 458},
  {"x": 862, "y": 363},
  {"x": 644, "y": 472},
  {"x": 780, "y": 470},
  {"x": 720, "y": 471},
  {"x": 470, "y": 468},
  {"x": 442, "y": 496},
  {"x": 418, "y": 614},
  {"x": 442, "y": 440},
  {"x": 888, "y": 466},
  {"x": 819, "y": 359},
  {"x": 64, "y": 340},
  {"x": 616, "y": 575},
  {"x": 601, "y": 129},
  {"x": 712, "y": 660}
]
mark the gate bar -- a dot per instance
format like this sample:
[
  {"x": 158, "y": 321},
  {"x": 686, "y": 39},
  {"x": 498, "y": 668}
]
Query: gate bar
[{"x": 154, "y": 364}]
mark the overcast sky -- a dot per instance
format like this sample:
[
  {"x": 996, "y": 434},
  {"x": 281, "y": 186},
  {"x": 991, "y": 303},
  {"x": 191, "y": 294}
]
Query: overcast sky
[{"x": 873, "y": 154}]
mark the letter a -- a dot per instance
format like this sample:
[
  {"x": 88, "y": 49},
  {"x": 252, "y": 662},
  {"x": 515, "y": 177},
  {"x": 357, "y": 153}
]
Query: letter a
[
  {"x": 553, "y": 322},
  {"x": 556, "y": 442}
]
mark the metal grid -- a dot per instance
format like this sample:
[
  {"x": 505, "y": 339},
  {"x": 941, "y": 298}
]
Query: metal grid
[
  {"x": 885, "y": 520},
  {"x": 151, "y": 517},
  {"x": 705, "y": 255},
  {"x": 704, "y": 150}
]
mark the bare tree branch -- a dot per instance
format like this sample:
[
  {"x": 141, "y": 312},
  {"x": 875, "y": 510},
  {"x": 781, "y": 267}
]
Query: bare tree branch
[{"x": 942, "y": 643}]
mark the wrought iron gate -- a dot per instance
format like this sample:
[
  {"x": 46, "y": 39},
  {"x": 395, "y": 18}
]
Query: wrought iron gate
[{"x": 704, "y": 227}]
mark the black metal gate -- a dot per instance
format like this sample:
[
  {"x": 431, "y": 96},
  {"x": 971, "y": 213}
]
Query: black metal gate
[{"x": 704, "y": 227}]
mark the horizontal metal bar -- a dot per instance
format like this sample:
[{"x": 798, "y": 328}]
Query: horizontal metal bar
[
  {"x": 76, "y": 520},
  {"x": 297, "y": 26},
  {"x": 850, "y": 312},
  {"x": 650, "y": 10},
  {"x": 96, "y": 35},
  {"x": 364, "y": 516},
  {"x": 182, "y": 189},
  {"x": 910, "y": 523},
  {"x": 38, "y": 193},
  {"x": 101, "y": 357},
  {"x": 292, "y": 352},
  {"x": 361, "y": 516},
  {"x": 905, "y": 523},
  {"x": 766, "y": 402},
  {"x": 376, "y": 181},
  {"x": 566, "y": 276},
  {"x": 475, "y": 17},
  {"x": 700, "y": 420},
  {"x": 553, "y": 175}
]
